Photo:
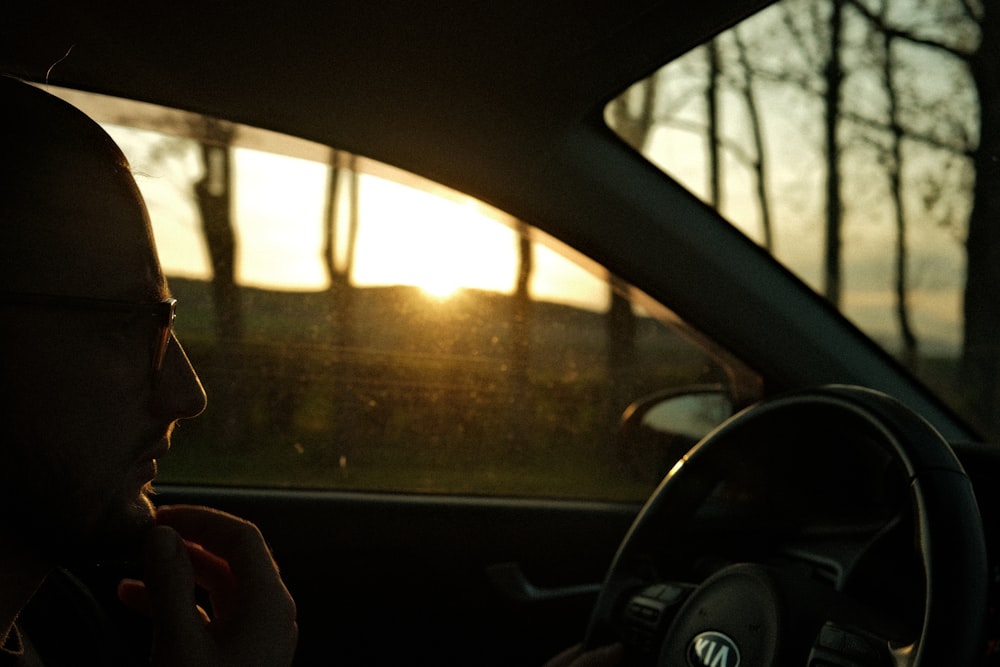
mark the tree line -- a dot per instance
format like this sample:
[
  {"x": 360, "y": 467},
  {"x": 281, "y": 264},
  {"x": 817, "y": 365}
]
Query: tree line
[{"x": 902, "y": 96}]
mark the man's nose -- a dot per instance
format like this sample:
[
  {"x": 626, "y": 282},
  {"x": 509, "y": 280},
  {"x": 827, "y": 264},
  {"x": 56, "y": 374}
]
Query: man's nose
[{"x": 178, "y": 393}]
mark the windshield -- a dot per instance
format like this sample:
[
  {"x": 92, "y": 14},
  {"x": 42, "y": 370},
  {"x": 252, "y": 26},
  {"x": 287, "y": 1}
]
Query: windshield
[{"x": 845, "y": 139}]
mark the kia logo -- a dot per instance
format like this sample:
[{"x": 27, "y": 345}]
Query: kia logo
[{"x": 713, "y": 649}]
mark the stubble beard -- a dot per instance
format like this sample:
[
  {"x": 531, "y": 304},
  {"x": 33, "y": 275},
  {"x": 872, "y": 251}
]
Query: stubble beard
[
  {"x": 117, "y": 535},
  {"x": 52, "y": 529}
]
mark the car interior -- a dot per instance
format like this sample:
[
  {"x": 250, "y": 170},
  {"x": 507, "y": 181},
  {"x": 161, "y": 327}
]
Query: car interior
[{"x": 533, "y": 323}]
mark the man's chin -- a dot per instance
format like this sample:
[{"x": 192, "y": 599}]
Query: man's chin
[{"x": 117, "y": 535}]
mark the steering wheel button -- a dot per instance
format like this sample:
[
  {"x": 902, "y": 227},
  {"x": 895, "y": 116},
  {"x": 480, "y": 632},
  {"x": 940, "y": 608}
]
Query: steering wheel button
[
  {"x": 654, "y": 591},
  {"x": 838, "y": 646},
  {"x": 832, "y": 637},
  {"x": 645, "y": 611},
  {"x": 671, "y": 594},
  {"x": 859, "y": 648}
]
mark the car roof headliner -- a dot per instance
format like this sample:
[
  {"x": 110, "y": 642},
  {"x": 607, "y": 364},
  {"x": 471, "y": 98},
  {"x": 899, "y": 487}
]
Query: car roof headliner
[{"x": 434, "y": 87}]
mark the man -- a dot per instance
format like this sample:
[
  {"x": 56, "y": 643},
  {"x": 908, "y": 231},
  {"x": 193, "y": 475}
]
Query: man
[{"x": 94, "y": 381}]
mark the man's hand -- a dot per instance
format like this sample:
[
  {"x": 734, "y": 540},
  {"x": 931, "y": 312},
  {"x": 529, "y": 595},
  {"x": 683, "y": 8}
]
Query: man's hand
[
  {"x": 606, "y": 656},
  {"x": 252, "y": 619}
]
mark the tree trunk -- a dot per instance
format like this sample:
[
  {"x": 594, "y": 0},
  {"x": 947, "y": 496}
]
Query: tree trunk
[
  {"x": 214, "y": 196},
  {"x": 331, "y": 216},
  {"x": 760, "y": 153},
  {"x": 521, "y": 320},
  {"x": 894, "y": 169},
  {"x": 980, "y": 366},
  {"x": 621, "y": 326},
  {"x": 834, "y": 76},
  {"x": 339, "y": 265},
  {"x": 713, "y": 131}
]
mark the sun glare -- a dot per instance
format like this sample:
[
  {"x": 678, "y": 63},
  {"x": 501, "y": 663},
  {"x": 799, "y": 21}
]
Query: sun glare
[
  {"x": 410, "y": 237},
  {"x": 439, "y": 280},
  {"x": 439, "y": 290}
]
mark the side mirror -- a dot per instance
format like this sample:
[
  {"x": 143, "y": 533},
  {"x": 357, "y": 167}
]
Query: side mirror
[
  {"x": 657, "y": 430},
  {"x": 692, "y": 415}
]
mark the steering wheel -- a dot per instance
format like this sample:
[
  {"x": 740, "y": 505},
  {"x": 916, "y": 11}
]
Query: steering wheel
[{"x": 832, "y": 527}]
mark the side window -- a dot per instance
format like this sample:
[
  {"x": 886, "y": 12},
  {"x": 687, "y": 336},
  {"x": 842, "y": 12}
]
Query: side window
[{"x": 357, "y": 327}]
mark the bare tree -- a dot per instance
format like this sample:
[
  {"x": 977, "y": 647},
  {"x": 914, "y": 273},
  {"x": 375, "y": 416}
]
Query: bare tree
[
  {"x": 713, "y": 130},
  {"x": 213, "y": 193},
  {"x": 832, "y": 46},
  {"x": 980, "y": 368},
  {"x": 833, "y": 74},
  {"x": 340, "y": 265},
  {"x": 758, "y": 159},
  {"x": 894, "y": 168},
  {"x": 340, "y": 303},
  {"x": 980, "y": 362},
  {"x": 887, "y": 137},
  {"x": 521, "y": 319}
]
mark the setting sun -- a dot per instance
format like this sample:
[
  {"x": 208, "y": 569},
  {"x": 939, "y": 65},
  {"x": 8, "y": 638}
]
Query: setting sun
[
  {"x": 411, "y": 237},
  {"x": 439, "y": 287}
]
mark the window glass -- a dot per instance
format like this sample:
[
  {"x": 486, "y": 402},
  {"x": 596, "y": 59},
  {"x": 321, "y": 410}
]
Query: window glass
[
  {"x": 357, "y": 327},
  {"x": 844, "y": 138}
]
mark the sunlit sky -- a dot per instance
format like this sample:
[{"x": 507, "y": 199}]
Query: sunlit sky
[
  {"x": 410, "y": 232},
  {"x": 406, "y": 235},
  {"x": 791, "y": 117},
  {"x": 936, "y": 256}
]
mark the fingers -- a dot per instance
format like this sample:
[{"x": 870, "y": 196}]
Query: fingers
[
  {"x": 210, "y": 572},
  {"x": 254, "y": 616},
  {"x": 233, "y": 559},
  {"x": 232, "y": 539},
  {"x": 215, "y": 576},
  {"x": 169, "y": 587}
]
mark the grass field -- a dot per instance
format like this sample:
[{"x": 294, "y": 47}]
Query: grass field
[{"x": 410, "y": 394}]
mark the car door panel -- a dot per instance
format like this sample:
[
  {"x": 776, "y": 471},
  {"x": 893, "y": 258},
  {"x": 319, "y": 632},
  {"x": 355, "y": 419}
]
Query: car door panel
[{"x": 386, "y": 579}]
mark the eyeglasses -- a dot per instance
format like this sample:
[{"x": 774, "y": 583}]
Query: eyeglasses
[{"x": 161, "y": 314}]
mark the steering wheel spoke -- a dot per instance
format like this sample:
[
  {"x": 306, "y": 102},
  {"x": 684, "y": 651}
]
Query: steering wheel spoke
[
  {"x": 848, "y": 646},
  {"x": 648, "y": 613}
]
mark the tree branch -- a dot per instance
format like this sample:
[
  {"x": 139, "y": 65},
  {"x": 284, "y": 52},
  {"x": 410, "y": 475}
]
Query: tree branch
[{"x": 895, "y": 33}]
